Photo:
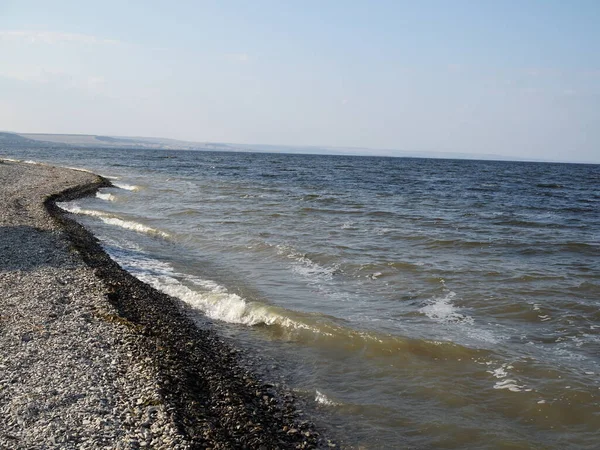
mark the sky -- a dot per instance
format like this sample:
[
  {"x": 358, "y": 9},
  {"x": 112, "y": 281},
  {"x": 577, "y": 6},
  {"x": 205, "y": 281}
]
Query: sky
[{"x": 518, "y": 78}]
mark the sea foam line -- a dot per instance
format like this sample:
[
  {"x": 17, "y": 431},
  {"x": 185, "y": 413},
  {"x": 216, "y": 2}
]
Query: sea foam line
[
  {"x": 111, "y": 220},
  {"x": 79, "y": 169}
]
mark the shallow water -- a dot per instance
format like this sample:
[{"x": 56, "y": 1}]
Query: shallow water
[{"x": 419, "y": 303}]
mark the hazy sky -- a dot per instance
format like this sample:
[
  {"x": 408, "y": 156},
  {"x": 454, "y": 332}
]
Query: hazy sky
[{"x": 516, "y": 78}]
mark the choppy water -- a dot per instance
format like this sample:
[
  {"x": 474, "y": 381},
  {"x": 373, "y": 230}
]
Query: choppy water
[{"x": 414, "y": 303}]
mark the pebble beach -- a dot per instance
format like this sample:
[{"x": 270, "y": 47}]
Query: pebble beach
[{"x": 94, "y": 358}]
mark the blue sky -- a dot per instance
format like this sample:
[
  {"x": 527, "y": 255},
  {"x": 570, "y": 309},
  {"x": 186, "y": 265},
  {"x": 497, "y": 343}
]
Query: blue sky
[{"x": 513, "y": 78}]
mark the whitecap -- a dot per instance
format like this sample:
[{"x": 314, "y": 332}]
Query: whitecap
[
  {"x": 215, "y": 301},
  {"x": 509, "y": 384},
  {"x": 134, "y": 226},
  {"x": 127, "y": 187},
  {"x": 442, "y": 310},
  {"x": 106, "y": 196},
  {"x": 305, "y": 266},
  {"x": 504, "y": 382},
  {"x": 75, "y": 209},
  {"x": 322, "y": 399},
  {"x": 78, "y": 169},
  {"x": 112, "y": 220}
]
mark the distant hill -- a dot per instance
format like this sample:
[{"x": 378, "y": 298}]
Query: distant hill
[
  {"x": 15, "y": 139},
  {"x": 91, "y": 140},
  {"x": 150, "y": 143}
]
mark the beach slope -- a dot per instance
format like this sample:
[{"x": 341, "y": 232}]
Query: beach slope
[{"x": 91, "y": 357}]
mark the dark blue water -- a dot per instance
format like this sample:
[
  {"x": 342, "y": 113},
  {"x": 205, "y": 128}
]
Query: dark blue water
[{"x": 411, "y": 302}]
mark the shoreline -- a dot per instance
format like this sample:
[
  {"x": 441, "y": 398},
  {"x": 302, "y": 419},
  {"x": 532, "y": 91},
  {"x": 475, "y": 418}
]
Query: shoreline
[{"x": 210, "y": 399}]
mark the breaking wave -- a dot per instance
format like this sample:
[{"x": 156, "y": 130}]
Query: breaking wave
[
  {"x": 112, "y": 220},
  {"x": 106, "y": 196},
  {"x": 127, "y": 187}
]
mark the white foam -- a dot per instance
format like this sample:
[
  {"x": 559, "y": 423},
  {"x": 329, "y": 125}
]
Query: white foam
[
  {"x": 78, "y": 169},
  {"x": 75, "y": 209},
  {"x": 500, "y": 372},
  {"x": 322, "y": 399},
  {"x": 504, "y": 382},
  {"x": 127, "y": 187},
  {"x": 217, "y": 303},
  {"x": 134, "y": 226},
  {"x": 106, "y": 196},
  {"x": 509, "y": 384},
  {"x": 212, "y": 299},
  {"x": 111, "y": 220},
  {"x": 305, "y": 266},
  {"x": 442, "y": 310}
]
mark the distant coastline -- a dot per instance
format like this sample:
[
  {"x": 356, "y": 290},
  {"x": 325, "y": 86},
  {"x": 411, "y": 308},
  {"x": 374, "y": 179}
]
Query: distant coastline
[{"x": 153, "y": 143}]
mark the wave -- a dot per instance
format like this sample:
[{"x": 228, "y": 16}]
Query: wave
[
  {"x": 549, "y": 185},
  {"x": 218, "y": 303},
  {"x": 322, "y": 399},
  {"x": 309, "y": 209},
  {"x": 501, "y": 374},
  {"x": 378, "y": 269},
  {"x": 106, "y": 196},
  {"x": 207, "y": 296},
  {"x": 112, "y": 220},
  {"x": 127, "y": 187},
  {"x": 305, "y": 266},
  {"x": 79, "y": 169},
  {"x": 433, "y": 243},
  {"x": 134, "y": 226},
  {"x": 75, "y": 209},
  {"x": 442, "y": 310}
]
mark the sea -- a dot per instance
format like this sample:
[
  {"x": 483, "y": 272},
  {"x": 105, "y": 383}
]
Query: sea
[{"x": 408, "y": 303}]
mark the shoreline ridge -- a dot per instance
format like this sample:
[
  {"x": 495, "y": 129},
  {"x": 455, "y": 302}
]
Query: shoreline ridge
[{"x": 210, "y": 399}]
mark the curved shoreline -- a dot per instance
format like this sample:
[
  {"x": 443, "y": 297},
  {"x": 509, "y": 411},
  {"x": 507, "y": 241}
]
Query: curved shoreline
[{"x": 211, "y": 400}]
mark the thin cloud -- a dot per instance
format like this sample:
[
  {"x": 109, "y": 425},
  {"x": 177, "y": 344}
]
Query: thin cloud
[{"x": 52, "y": 37}]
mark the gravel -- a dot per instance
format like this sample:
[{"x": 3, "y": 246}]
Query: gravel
[{"x": 91, "y": 357}]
